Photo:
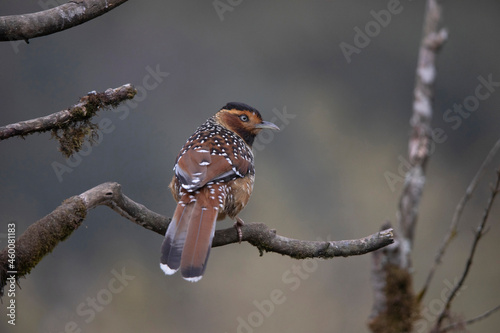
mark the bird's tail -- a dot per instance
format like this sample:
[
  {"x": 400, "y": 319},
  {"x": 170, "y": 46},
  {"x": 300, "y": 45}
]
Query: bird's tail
[{"x": 188, "y": 239}]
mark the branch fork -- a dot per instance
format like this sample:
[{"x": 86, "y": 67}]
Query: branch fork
[{"x": 44, "y": 235}]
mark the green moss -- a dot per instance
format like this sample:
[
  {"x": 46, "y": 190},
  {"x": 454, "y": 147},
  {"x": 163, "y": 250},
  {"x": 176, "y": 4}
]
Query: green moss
[
  {"x": 72, "y": 137},
  {"x": 43, "y": 236},
  {"x": 74, "y": 133},
  {"x": 401, "y": 304},
  {"x": 79, "y": 113}
]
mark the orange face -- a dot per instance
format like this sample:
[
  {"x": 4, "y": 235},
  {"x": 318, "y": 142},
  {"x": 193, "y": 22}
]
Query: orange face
[{"x": 247, "y": 122}]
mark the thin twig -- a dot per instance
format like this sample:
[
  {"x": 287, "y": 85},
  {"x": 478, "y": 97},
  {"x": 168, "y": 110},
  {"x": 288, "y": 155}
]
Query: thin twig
[
  {"x": 452, "y": 231},
  {"x": 472, "y": 320},
  {"x": 478, "y": 234},
  {"x": 65, "y": 16},
  {"x": 44, "y": 235}
]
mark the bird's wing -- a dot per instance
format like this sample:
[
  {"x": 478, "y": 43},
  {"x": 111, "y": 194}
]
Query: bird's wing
[{"x": 203, "y": 164}]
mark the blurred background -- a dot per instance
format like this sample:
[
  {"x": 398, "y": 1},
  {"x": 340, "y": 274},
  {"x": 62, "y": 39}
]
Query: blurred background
[{"x": 345, "y": 125}]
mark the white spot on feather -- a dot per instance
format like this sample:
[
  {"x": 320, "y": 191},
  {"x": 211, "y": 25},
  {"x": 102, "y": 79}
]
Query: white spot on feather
[{"x": 167, "y": 270}]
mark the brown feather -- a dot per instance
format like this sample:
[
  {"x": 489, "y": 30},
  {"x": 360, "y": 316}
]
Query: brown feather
[
  {"x": 214, "y": 176},
  {"x": 197, "y": 167},
  {"x": 199, "y": 235},
  {"x": 173, "y": 243}
]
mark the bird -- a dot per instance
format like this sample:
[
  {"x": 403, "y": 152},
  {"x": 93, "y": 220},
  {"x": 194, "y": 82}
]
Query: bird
[{"x": 213, "y": 178}]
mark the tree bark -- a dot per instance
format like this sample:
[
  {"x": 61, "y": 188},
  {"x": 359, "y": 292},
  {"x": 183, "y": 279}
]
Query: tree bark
[
  {"x": 395, "y": 306},
  {"x": 44, "y": 235},
  {"x": 72, "y": 126},
  {"x": 68, "y": 15}
]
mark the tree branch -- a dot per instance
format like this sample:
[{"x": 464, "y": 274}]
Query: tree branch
[
  {"x": 462, "y": 324},
  {"x": 68, "y": 15},
  {"x": 421, "y": 136},
  {"x": 478, "y": 234},
  {"x": 452, "y": 231},
  {"x": 44, "y": 235},
  {"x": 72, "y": 126},
  {"x": 395, "y": 306},
  {"x": 265, "y": 239}
]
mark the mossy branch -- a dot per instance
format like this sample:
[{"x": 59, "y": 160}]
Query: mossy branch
[
  {"x": 71, "y": 127},
  {"x": 395, "y": 304},
  {"x": 44, "y": 235}
]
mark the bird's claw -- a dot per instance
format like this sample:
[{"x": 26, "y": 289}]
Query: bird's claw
[{"x": 238, "y": 224}]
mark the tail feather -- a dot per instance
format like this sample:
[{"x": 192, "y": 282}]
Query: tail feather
[
  {"x": 188, "y": 239},
  {"x": 198, "y": 243},
  {"x": 175, "y": 237}
]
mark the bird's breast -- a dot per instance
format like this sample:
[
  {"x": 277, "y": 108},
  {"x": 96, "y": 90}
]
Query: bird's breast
[{"x": 238, "y": 194}]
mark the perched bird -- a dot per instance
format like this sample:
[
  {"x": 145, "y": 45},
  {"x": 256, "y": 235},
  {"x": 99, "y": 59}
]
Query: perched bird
[{"x": 214, "y": 176}]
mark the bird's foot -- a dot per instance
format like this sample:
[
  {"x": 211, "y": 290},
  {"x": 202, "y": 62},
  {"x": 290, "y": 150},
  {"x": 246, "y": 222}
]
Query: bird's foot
[{"x": 238, "y": 224}]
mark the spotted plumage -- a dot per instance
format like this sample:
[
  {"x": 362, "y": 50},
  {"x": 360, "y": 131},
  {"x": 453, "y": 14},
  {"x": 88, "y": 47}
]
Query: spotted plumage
[{"x": 213, "y": 178}]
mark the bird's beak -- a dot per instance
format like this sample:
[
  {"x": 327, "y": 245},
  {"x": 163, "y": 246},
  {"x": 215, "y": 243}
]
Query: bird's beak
[{"x": 268, "y": 125}]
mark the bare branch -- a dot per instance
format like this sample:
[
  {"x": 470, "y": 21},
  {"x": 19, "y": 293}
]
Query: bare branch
[
  {"x": 72, "y": 126},
  {"x": 470, "y": 321},
  {"x": 44, "y": 235},
  {"x": 265, "y": 239},
  {"x": 68, "y": 15},
  {"x": 479, "y": 233},
  {"x": 453, "y": 229},
  {"x": 421, "y": 136}
]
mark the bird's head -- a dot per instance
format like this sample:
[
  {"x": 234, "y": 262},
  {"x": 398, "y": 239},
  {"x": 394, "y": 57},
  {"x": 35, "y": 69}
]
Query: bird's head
[{"x": 243, "y": 120}]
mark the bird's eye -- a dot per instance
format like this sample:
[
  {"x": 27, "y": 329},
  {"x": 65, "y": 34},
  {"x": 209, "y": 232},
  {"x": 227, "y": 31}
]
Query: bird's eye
[{"x": 244, "y": 118}]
